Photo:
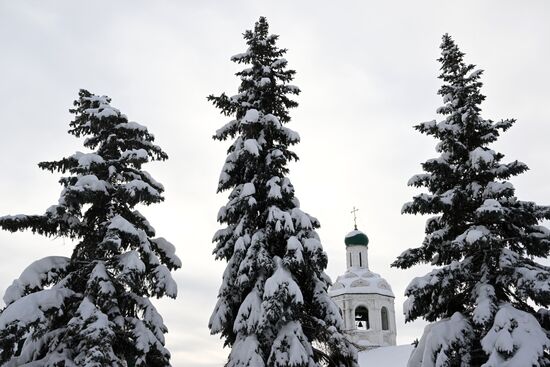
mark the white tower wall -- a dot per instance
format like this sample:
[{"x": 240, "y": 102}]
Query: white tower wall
[
  {"x": 374, "y": 335},
  {"x": 357, "y": 256}
]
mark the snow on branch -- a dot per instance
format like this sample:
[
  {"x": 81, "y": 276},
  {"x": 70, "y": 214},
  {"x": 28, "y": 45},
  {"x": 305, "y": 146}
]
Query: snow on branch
[
  {"x": 36, "y": 276},
  {"x": 103, "y": 110},
  {"x": 167, "y": 250},
  {"x": 442, "y": 342},
  {"x": 515, "y": 340},
  {"x": 282, "y": 282},
  {"x": 32, "y": 307},
  {"x": 291, "y": 347}
]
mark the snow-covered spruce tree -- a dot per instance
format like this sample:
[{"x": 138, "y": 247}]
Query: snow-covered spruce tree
[
  {"x": 483, "y": 240},
  {"x": 93, "y": 309},
  {"x": 273, "y": 308}
]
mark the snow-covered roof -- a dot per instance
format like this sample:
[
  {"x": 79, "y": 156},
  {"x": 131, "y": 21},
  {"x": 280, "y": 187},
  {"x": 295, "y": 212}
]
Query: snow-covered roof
[
  {"x": 360, "y": 280},
  {"x": 354, "y": 233},
  {"x": 394, "y": 356}
]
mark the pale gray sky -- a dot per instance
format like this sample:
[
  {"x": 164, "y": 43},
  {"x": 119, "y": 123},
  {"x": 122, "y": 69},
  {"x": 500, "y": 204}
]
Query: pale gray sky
[{"x": 367, "y": 70}]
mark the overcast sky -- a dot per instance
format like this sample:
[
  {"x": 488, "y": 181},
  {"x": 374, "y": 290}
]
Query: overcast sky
[{"x": 367, "y": 70}]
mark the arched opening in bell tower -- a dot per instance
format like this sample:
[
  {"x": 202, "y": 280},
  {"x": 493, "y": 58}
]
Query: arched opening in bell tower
[
  {"x": 384, "y": 315},
  {"x": 362, "y": 318}
]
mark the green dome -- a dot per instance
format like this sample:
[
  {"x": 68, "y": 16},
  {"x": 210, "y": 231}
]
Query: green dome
[{"x": 356, "y": 238}]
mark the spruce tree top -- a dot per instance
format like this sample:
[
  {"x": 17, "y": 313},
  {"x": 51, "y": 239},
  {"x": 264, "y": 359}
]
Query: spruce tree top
[{"x": 261, "y": 106}]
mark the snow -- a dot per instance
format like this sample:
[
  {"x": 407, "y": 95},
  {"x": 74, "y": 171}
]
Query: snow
[
  {"x": 35, "y": 275},
  {"x": 291, "y": 347},
  {"x": 102, "y": 112},
  {"x": 224, "y": 175},
  {"x": 252, "y": 146},
  {"x": 273, "y": 120},
  {"x": 428, "y": 124},
  {"x": 540, "y": 231},
  {"x": 354, "y": 233},
  {"x": 437, "y": 339},
  {"x": 168, "y": 249},
  {"x": 490, "y": 206},
  {"x": 241, "y": 244},
  {"x": 144, "y": 339},
  {"x": 279, "y": 63},
  {"x": 249, "y": 313},
  {"x": 418, "y": 179},
  {"x": 442, "y": 159},
  {"x": 150, "y": 178},
  {"x": 274, "y": 188},
  {"x": 166, "y": 284},
  {"x": 247, "y": 190},
  {"x": 112, "y": 171},
  {"x": 359, "y": 280},
  {"x": 282, "y": 219},
  {"x": 515, "y": 340},
  {"x": 444, "y": 126},
  {"x": 219, "y": 315},
  {"x": 16, "y": 217},
  {"x": 291, "y": 135},
  {"x": 447, "y": 197},
  {"x": 245, "y": 352},
  {"x": 134, "y": 154},
  {"x": 131, "y": 125},
  {"x": 313, "y": 245},
  {"x": 122, "y": 225},
  {"x": 136, "y": 186},
  {"x": 104, "y": 109},
  {"x": 240, "y": 55},
  {"x": 151, "y": 316},
  {"x": 131, "y": 262},
  {"x": 86, "y": 159},
  {"x": 99, "y": 327},
  {"x": 99, "y": 274},
  {"x": 408, "y": 305},
  {"x": 282, "y": 279},
  {"x": 31, "y": 308},
  {"x": 479, "y": 155},
  {"x": 530, "y": 276},
  {"x": 474, "y": 235},
  {"x": 484, "y": 303},
  {"x": 227, "y": 127},
  {"x": 497, "y": 188},
  {"x": 263, "y": 82},
  {"x": 394, "y": 356},
  {"x": 303, "y": 220},
  {"x": 251, "y": 115},
  {"x": 475, "y": 74},
  {"x": 293, "y": 88},
  {"x": 89, "y": 182},
  {"x": 287, "y": 186},
  {"x": 275, "y": 153},
  {"x": 293, "y": 244}
]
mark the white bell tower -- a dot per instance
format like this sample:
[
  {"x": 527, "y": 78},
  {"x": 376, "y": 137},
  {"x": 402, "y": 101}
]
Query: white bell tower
[{"x": 365, "y": 299}]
